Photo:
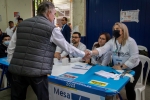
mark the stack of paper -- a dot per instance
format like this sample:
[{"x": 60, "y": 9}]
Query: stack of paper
[
  {"x": 106, "y": 74},
  {"x": 85, "y": 67}
]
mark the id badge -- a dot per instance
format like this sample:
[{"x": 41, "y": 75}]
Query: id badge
[{"x": 119, "y": 61}]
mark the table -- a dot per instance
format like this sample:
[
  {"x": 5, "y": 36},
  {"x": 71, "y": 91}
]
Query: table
[
  {"x": 4, "y": 64},
  {"x": 81, "y": 87}
]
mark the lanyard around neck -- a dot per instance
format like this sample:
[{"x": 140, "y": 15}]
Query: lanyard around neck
[{"x": 118, "y": 49}]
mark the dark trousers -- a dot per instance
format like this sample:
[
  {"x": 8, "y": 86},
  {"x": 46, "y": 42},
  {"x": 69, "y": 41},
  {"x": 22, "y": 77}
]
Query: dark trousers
[
  {"x": 20, "y": 84},
  {"x": 130, "y": 86}
]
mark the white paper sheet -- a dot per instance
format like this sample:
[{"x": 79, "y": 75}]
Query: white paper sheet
[
  {"x": 106, "y": 74},
  {"x": 82, "y": 67},
  {"x": 59, "y": 69},
  {"x": 77, "y": 70},
  {"x": 120, "y": 71}
]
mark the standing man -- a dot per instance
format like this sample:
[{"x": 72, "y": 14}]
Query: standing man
[
  {"x": 66, "y": 31},
  {"x": 31, "y": 52},
  {"x": 19, "y": 21},
  {"x": 10, "y": 29}
]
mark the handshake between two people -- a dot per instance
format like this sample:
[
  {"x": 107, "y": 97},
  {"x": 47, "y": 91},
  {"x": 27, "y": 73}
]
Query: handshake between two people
[{"x": 88, "y": 55}]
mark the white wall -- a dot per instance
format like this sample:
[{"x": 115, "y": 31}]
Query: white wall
[{"x": 8, "y": 7}]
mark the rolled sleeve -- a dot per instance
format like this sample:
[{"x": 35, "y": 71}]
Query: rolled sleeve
[
  {"x": 64, "y": 54},
  {"x": 58, "y": 49}
]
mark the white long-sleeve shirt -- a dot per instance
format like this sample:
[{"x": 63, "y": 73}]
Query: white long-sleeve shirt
[
  {"x": 101, "y": 60},
  {"x": 81, "y": 47},
  {"x": 58, "y": 49},
  {"x": 56, "y": 37},
  {"x": 9, "y": 31},
  {"x": 128, "y": 54}
]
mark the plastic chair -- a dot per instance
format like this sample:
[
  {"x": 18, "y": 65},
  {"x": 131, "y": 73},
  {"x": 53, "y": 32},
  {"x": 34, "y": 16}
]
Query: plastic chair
[
  {"x": 141, "y": 85},
  {"x": 140, "y": 47}
]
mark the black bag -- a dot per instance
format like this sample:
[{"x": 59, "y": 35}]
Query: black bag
[{"x": 143, "y": 52}]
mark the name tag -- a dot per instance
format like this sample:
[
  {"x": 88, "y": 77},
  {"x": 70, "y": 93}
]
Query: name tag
[{"x": 119, "y": 61}]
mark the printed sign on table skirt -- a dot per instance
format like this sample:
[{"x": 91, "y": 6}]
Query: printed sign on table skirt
[
  {"x": 57, "y": 92},
  {"x": 98, "y": 83}
]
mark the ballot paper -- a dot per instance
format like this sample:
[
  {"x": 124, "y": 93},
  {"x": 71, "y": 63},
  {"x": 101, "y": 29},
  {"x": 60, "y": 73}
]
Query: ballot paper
[
  {"x": 84, "y": 67},
  {"x": 120, "y": 71},
  {"x": 107, "y": 74}
]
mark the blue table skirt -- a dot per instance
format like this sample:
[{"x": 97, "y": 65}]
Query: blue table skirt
[{"x": 82, "y": 82}]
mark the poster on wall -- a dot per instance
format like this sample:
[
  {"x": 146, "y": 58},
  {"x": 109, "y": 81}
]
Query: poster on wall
[
  {"x": 16, "y": 15},
  {"x": 129, "y": 16}
]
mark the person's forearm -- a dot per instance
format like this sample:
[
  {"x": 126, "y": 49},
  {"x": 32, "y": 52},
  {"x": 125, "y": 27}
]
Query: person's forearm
[
  {"x": 58, "y": 39},
  {"x": 94, "y": 52},
  {"x": 124, "y": 66},
  {"x": 14, "y": 29}
]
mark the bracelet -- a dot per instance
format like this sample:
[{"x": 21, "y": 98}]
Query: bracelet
[{"x": 91, "y": 53}]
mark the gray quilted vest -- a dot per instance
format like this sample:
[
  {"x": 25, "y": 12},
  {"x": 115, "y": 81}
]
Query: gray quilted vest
[{"x": 33, "y": 55}]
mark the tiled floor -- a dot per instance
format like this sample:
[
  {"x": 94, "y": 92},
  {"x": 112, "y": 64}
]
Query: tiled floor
[{"x": 5, "y": 95}]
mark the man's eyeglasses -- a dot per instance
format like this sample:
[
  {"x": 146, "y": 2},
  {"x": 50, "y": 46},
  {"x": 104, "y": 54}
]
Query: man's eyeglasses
[{"x": 75, "y": 37}]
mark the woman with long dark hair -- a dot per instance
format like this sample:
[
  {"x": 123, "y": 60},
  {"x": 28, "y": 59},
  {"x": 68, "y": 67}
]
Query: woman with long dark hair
[{"x": 106, "y": 57}]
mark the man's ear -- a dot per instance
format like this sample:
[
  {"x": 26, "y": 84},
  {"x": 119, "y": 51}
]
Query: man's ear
[{"x": 48, "y": 12}]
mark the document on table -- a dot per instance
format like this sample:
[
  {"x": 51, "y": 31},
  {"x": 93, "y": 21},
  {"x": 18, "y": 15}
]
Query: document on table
[
  {"x": 106, "y": 74},
  {"x": 79, "y": 68},
  {"x": 83, "y": 67}
]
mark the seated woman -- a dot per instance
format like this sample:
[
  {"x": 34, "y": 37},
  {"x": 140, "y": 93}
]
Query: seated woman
[
  {"x": 4, "y": 45},
  {"x": 125, "y": 55},
  {"x": 105, "y": 58}
]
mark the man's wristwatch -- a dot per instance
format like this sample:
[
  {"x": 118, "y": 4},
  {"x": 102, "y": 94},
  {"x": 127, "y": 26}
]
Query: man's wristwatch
[{"x": 121, "y": 66}]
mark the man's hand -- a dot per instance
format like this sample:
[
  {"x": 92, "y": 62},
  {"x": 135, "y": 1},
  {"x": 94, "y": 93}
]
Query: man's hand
[
  {"x": 117, "y": 67},
  {"x": 87, "y": 60},
  {"x": 87, "y": 55},
  {"x": 57, "y": 55}
]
